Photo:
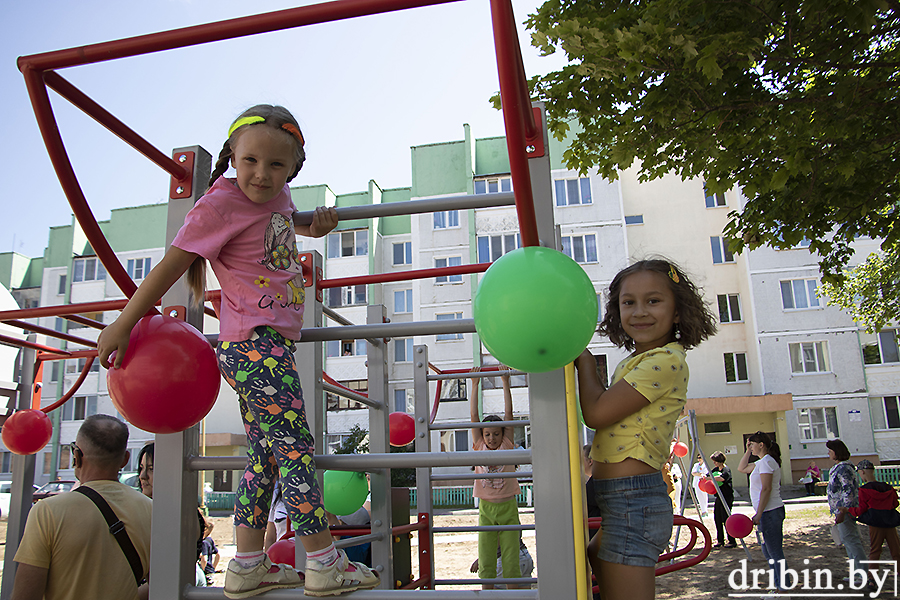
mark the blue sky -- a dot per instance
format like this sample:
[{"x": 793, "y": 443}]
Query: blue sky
[{"x": 364, "y": 91}]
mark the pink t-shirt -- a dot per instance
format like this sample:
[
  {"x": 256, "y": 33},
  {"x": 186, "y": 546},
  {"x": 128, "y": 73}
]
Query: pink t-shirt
[
  {"x": 252, "y": 250},
  {"x": 495, "y": 490}
]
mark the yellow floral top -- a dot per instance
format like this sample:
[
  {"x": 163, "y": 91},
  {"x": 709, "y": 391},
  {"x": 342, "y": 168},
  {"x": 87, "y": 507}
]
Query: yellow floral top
[{"x": 661, "y": 376}]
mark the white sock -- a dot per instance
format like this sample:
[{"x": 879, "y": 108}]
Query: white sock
[
  {"x": 327, "y": 556},
  {"x": 249, "y": 559}
]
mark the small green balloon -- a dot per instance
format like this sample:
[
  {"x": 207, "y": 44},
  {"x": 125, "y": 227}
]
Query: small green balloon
[
  {"x": 535, "y": 309},
  {"x": 344, "y": 491}
]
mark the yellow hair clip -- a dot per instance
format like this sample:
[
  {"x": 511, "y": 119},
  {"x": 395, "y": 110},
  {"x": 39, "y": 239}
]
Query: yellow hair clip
[
  {"x": 244, "y": 121},
  {"x": 673, "y": 274}
]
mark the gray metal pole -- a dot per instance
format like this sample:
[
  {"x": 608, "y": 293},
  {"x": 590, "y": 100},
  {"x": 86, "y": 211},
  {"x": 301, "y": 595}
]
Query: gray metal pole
[
  {"x": 379, "y": 441},
  {"x": 175, "y": 528},
  {"x": 423, "y": 445},
  {"x": 22, "y": 479},
  {"x": 414, "y": 207}
]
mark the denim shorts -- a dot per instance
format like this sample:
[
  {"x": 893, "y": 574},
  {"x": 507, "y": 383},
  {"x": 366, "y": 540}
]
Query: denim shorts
[{"x": 637, "y": 519}]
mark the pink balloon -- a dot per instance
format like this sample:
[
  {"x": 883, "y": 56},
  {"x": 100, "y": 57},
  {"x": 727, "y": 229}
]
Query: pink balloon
[
  {"x": 169, "y": 379},
  {"x": 738, "y": 525},
  {"x": 680, "y": 449},
  {"x": 27, "y": 431},
  {"x": 402, "y": 428}
]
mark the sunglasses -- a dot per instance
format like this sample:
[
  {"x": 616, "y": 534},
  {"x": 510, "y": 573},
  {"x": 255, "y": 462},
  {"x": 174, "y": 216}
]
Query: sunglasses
[{"x": 76, "y": 451}]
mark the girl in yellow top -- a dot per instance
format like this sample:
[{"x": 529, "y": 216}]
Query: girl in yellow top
[{"x": 657, "y": 313}]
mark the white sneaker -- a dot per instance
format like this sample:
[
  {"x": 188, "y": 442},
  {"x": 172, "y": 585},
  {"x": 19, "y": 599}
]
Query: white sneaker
[
  {"x": 243, "y": 582},
  {"x": 342, "y": 576}
]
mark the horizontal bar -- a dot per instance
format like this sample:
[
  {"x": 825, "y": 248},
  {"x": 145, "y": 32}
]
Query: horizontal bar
[
  {"x": 404, "y": 275},
  {"x": 365, "y": 462},
  {"x": 473, "y": 375},
  {"x": 85, "y": 321},
  {"x": 62, "y": 310},
  {"x": 387, "y": 330},
  {"x": 471, "y": 476},
  {"x": 334, "y": 316},
  {"x": 208, "y": 593},
  {"x": 351, "y": 395},
  {"x": 50, "y": 332},
  {"x": 17, "y": 343},
  {"x": 356, "y": 541},
  {"x": 215, "y": 32},
  {"x": 520, "y": 527},
  {"x": 415, "y": 207},
  {"x": 481, "y": 425},
  {"x": 517, "y": 594}
]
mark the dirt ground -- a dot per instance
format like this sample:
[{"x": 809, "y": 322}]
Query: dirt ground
[{"x": 806, "y": 531}]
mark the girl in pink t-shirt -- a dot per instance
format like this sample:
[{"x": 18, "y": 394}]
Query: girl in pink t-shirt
[
  {"x": 497, "y": 496},
  {"x": 245, "y": 227}
]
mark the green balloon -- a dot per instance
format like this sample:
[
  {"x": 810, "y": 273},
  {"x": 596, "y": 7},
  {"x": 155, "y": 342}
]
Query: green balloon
[
  {"x": 535, "y": 309},
  {"x": 344, "y": 491}
]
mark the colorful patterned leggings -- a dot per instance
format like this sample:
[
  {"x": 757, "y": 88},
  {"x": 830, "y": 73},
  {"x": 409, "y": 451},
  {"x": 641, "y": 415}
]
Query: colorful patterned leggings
[{"x": 263, "y": 373}]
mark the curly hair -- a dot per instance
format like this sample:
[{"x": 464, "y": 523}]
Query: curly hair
[{"x": 696, "y": 321}]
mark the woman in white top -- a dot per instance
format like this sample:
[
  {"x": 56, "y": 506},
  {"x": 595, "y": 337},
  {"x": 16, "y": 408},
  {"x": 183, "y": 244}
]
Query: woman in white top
[
  {"x": 698, "y": 472},
  {"x": 765, "y": 493}
]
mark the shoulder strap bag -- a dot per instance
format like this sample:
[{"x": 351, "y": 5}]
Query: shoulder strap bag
[{"x": 117, "y": 529}]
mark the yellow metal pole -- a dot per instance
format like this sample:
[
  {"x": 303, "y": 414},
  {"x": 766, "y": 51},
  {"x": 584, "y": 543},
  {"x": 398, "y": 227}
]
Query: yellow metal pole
[{"x": 578, "y": 517}]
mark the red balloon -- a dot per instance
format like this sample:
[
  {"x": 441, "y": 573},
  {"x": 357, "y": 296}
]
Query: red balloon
[
  {"x": 282, "y": 551},
  {"x": 403, "y": 428},
  {"x": 708, "y": 486},
  {"x": 680, "y": 449},
  {"x": 27, "y": 431},
  {"x": 738, "y": 525},
  {"x": 169, "y": 379}
]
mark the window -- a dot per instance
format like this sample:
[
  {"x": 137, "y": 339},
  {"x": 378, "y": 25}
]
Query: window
[
  {"x": 61, "y": 290},
  {"x": 335, "y": 348},
  {"x": 5, "y": 462},
  {"x": 736, "y": 367},
  {"x": 492, "y": 185},
  {"x": 403, "y": 301},
  {"x": 461, "y": 443},
  {"x": 88, "y": 269},
  {"x": 403, "y": 349},
  {"x": 880, "y": 348},
  {"x": 798, "y": 294},
  {"x": 48, "y": 461},
  {"x": 65, "y": 457},
  {"x": 580, "y": 248},
  {"x": 492, "y": 247},
  {"x": 720, "y": 252},
  {"x": 446, "y": 219},
  {"x": 76, "y": 366},
  {"x": 634, "y": 219},
  {"x": 138, "y": 268},
  {"x": 348, "y": 243},
  {"x": 453, "y": 261},
  {"x": 572, "y": 191},
  {"x": 713, "y": 200},
  {"x": 444, "y": 337},
  {"x": 79, "y": 407},
  {"x": 335, "y": 402},
  {"x": 885, "y": 412},
  {"x": 720, "y": 427},
  {"x": 403, "y": 253},
  {"x": 334, "y": 441},
  {"x": 351, "y": 295},
  {"x": 817, "y": 423},
  {"x": 54, "y": 371},
  {"x": 808, "y": 357},
  {"x": 729, "y": 308},
  {"x": 403, "y": 401}
]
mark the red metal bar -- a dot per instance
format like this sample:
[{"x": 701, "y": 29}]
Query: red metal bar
[
  {"x": 401, "y": 529},
  {"x": 65, "y": 397},
  {"x": 120, "y": 129},
  {"x": 40, "y": 101},
  {"x": 85, "y": 321},
  {"x": 58, "y": 354},
  {"x": 62, "y": 310},
  {"x": 421, "y": 582},
  {"x": 36, "y": 385},
  {"x": 516, "y": 115},
  {"x": 694, "y": 560},
  {"x": 214, "y": 32},
  {"x": 437, "y": 400},
  {"x": 330, "y": 380},
  {"x": 16, "y": 343},
  {"x": 50, "y": 333},
  {"x": 404, "y": 275}
]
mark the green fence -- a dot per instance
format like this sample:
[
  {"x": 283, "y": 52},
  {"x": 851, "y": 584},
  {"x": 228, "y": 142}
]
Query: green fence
[
  {"x": 441, "y": 497},
  {"x": 890, "y": 474}
]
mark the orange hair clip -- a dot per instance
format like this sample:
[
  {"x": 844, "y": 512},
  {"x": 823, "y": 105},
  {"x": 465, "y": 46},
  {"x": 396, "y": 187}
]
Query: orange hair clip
[{"x": 292, "y": 129}]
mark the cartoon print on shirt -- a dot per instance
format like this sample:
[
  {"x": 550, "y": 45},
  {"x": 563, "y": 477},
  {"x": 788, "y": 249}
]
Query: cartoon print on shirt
[
  {"x": 281, "y": 255},
  {"x": 493, "y": 483}
]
